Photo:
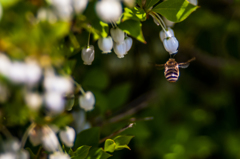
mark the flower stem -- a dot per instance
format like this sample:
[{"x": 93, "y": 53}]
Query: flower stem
[
  {"x": 88, "y": 40},
  {"x": 80, "y": 88},
  {"x": 25, "y": 135},
  {"x": 157, "y": 18}
]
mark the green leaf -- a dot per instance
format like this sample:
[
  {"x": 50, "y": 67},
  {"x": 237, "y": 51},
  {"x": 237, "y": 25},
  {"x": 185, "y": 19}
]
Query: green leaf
[
  {"x": 133, "y": 28},
  {"x": 175, "y": 10},
  {"x": 139, "y": 2},
  {"x": 122, "y": 142},
  {"x": 134, "y": 13},
  {"x": 98, "y": 153},
  {"x": 119, "y": 95},
  {"x": 70, "y": 152},
  {"x": 8, "y": 3},
  {"x": 81, "y": 152},
  {"x": 88, "y": 137},
  {"x": 109, "y": 145},
  {"x": 150, "y": 3},
  {"x": 96, "y": 78}
]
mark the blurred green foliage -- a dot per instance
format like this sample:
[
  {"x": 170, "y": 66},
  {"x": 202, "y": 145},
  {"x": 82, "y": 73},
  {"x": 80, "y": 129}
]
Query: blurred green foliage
[{"x": 195, "y": 118}]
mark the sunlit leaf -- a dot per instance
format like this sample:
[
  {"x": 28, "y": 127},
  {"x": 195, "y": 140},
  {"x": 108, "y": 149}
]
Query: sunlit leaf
[
  {"x": 98, "y": 153},
  {"x": 133, "y": 28},
  {"x": 81, "y": 152},
  {"x": 109, "y": 145},
  {"x": 175, "y": 10},
  {"x": 134, "y": 13},
  {"x": 122, "y": 142}
]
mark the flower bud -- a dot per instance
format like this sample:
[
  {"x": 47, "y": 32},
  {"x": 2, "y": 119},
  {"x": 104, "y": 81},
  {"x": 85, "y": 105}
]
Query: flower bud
[
  {"x": 35, "y": 136},
  {"x": 117, "y": 35},
  {"x": 17, "y": 72},
  {"x": 59, "y": 155},
  {"x": 67, "y": 136},
  {"x": 105, "y": 44},
  {"x": 49, "y": 140},
  {"x": 33, "y": 73},
  {"x": 87, "y": 101},
  {"x": 194, "y": 2},
  {"x": 109, "y": 10},
  {"x": 33, "y": 100},
  {"x": 164, "y": 35},
  {"x": 171, "y": 45},
  {"x": 54, "y": 102},
  {"x": 88, "y": 55},
  {"x": 79, "y": 5},
  {"x": 128, "y": 42},
  {"x": 120, "y": 49}
]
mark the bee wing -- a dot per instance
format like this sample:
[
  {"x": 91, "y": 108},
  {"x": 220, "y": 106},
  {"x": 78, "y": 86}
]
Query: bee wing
[
  {"x": 160, "y": 66},
  {"x": 186, "y": 64}
]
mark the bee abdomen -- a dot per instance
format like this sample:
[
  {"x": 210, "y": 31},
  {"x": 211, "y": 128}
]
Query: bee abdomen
[{"x": 172, "y": 75}]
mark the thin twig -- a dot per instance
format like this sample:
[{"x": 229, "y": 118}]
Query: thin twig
[{"x": 116, "y": 132}]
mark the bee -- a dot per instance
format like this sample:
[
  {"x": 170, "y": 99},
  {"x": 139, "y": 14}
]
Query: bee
[{"x": 172, "y": 68}]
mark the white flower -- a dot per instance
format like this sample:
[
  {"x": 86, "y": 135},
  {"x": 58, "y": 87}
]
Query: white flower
[
  {"x": 5, "y": 65},
  {"x": 67, "y": 136},
  {"x": 105, "y": 44},
  {"x": 54, "y": 102},
  {"x": 8, "y": 155},
  {"x": 49, "y": 140},
  {"x": 169, "y": 33},
  {"x": 35, "y": 136},
  {"x": 194, "y": 2},
  {"x": 61, "y": 85},
  {"x": 44, "y": 14},
  {"x": 171, "y": 45},
  {"x": 63, "y": 8},
  {"x": 17, "y": 72},
  {"x": 33, "y": 100},
  {"x": 128, "y": 42},
  {"x": 117, "y": 35},
  {"x": 109, "y": 10},
  {"x": 130, "y": 3},
  {"x": 59, "y": 155},
  {"x": 79, "y": 5},
  {"x": 87, "y": 101},
  {"x": 33, "y": 72},
  {"x": 88, "y": 55},
  {"x": 120, "y": 49}
]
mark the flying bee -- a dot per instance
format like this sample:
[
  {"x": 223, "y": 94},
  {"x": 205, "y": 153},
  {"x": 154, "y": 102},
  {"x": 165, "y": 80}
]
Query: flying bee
[{"x": 172, "y": 68}]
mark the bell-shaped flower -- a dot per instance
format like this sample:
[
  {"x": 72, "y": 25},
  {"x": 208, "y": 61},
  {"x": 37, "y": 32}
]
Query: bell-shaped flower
[
  {"x": 67, "y": 136},
  {"x": 54, "y": 102},
  {"x": 33, "y": 72},
  {"x": 59, "y": 155},
  {"x": 33, "y": 100},
  {"x": 87, "y": 101},
  {"x": 169, "y": 33},
  {"x": 79, "y": 5},
  {"x": 128, "y": 42},
  {"x": 17, "y": 72},
  {"x": 49, "y": 140},
  {"x": 194, "y": 2},
  {"x": 35, "y": 136},
  {"x": 109, "y": 10},
  {"x": 117, "y": 35},
  {"x": 130, "y": 3},
  {"x": 171, "y": 45},
  {"x": 63, "y": 8},
  {"x": 88, "y": 55},
  {"x": 120, "y": 49},
  {"x": 8, "y": 155},
  {"x": 105, "y": 44}
]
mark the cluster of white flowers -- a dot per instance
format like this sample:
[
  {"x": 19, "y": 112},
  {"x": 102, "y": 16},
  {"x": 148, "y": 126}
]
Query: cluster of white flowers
[
  {"x": 61, "y": 9},
  {"x": 110, "y": 10},
  {"x": 118, "y": 40},
  {"x": 12, "y": 150},
  {"x": 46, "y": 136}
]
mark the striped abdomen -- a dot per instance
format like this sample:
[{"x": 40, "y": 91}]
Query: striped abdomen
[{"x": 171, "y": 74}]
